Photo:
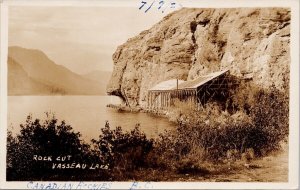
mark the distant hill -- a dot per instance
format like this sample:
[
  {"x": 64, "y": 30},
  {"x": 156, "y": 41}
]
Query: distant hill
[
  {"x": 31, "y": 72},
  {"x": 101, "y": 77},
  {"x": 19, "y": 83}
]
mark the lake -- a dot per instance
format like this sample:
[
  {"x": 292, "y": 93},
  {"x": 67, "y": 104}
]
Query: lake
[{"x": 86, "y": 114}]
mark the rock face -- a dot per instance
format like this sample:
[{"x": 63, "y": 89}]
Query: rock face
[{"x": 193, "y": 42}]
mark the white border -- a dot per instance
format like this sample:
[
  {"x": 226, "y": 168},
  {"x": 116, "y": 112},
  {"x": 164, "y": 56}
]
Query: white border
[
  {"x": 294, "y": 93},
  {"x": 3, "y": 89}
]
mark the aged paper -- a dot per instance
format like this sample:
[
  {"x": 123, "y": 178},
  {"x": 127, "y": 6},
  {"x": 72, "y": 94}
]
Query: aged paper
[{"x": 149, "y": 94}]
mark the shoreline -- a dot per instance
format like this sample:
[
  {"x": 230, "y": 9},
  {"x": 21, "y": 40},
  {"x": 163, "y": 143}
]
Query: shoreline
[{"x": 123, "y": 108}]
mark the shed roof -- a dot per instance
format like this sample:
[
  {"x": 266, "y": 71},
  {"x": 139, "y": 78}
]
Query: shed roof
[
  {"x": 172, "y": 84},
  {"x": 167, "y": 85},
  {"x": 200, "y": 80}
]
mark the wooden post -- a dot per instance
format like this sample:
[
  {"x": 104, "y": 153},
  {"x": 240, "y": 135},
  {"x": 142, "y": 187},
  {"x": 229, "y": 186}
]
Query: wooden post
[
  {"x": 148, "y": 100},
  {"x": 154, "y": 99},
  {"x": 151, "y": 100},
  {"x": 169, "y": 99},
  {"x": 157, "y": 100},
  {"x": 165, "y": 99}
]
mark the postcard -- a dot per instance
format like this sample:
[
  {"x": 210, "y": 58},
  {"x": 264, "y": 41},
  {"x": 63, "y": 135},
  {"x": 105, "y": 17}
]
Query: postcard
[{"x": 149, "y": 94}]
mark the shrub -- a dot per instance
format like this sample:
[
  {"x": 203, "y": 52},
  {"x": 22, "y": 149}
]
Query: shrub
[
  {"x": 257, "y": 121},
  {"x": 124, "y": 152},
  {"x": 49, "y": 138},
  {"x": 270, "y": 114}
]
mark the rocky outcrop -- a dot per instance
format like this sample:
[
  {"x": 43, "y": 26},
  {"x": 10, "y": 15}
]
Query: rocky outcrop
[{"x": 192, "y": 42}]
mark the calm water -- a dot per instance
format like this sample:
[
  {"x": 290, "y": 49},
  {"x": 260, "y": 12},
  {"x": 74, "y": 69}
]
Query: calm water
[{"x": 86, "y": 114}]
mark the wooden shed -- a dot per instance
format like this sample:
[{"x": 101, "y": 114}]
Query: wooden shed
[{"x": 195, "y": 92}]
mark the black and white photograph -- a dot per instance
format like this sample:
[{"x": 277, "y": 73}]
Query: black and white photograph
[{"x": 155, "y": 92}]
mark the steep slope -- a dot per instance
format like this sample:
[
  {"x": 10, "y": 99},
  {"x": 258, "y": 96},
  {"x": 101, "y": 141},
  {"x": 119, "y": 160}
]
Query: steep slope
[
  {"x": 193, "y": 42},
  {"x": 19, "y": 83},
  {"x": 39, "y": 67},
  {"x": 101, "y": 77}
]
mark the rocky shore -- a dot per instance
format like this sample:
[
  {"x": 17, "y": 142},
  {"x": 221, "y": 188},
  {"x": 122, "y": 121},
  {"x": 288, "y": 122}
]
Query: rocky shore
[{"x": 136, "y": 109}]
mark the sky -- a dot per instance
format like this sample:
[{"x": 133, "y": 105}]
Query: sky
[{"x": 82, "y": 39}]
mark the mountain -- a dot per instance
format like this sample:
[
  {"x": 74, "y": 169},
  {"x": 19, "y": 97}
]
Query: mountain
[
  {"x": 101, "y": 77},
  {"x": 19, "y": 83},
  {"x": 43, "y": 76},
  {"x": 193, "y": 42}
]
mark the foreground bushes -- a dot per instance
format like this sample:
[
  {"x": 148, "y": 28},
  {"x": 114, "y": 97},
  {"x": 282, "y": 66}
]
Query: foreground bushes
[
  {"x": 48, "y": 138},
  {"x": 123, "y": 152},
  {"x": 253, "y": 124},
  {"x": 253, "y": 127},
  {"x": 116, "y": 153}
]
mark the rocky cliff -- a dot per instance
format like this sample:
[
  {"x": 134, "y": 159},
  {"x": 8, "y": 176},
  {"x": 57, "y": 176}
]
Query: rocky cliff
[{"x": 192, "y": 42}]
